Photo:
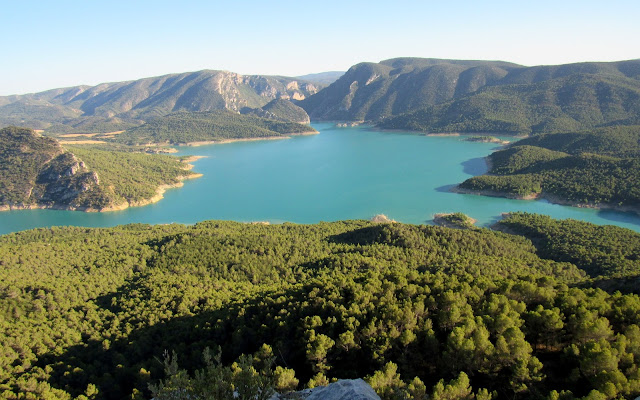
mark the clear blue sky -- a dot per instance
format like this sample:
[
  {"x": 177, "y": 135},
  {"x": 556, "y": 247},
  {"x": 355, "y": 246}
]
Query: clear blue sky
[{"x": 48, "y": 44}]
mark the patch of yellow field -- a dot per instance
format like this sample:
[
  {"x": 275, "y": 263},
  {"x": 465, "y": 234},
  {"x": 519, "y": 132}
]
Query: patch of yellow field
[
  {"x": 75, "y": 135},
  {"x": 88, "y": 135},
  {"x": 81, "y": 141}
]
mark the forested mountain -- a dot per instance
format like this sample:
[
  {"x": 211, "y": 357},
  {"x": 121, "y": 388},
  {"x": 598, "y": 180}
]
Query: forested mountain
[
  {"x": 450, "y": 95},
  {"x": 188, "y": 127},
  {"x": 36, "y": 171},
  {"x": 565, "y": 104},
  {"x": 371, "y": 91},
  {"x": 116, "y": 106},
  {"x": 594, "y": 168},
  {"x": 280, "y": 110},
  {"x": 414, "y": 309}
]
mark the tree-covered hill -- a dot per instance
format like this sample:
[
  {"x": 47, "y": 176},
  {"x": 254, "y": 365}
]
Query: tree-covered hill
[
  {"x": 616, "y": 141},
  {"x": 453, "y": 95},
  {"x": 604, "y": 252},
  {"x": 370, "y": 91},
  {"x": 188, "y": 127},
  {"x": 595, "y": 168},
  {"x": 36, "y": 171},
  {"x": 88, "y": 312},
  {"x": 280, "y": 110},
  {"x": 116, "y": 106},
  {"x": 565, "y": 104}
]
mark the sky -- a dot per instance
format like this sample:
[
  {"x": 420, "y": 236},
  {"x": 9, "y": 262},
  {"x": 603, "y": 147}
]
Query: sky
[{"x": 48, "y": 44}]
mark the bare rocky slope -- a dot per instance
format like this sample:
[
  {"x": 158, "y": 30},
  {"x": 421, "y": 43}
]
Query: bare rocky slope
[{"x": 120, "y": 105}]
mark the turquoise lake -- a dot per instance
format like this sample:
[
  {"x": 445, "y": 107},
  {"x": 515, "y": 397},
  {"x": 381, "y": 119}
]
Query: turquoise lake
[{"x": 342, "y": 173}]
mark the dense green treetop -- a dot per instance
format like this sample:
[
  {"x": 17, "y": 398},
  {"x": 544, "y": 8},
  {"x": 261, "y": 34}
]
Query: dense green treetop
[
  {"x": 280, "y": 110},
  {"x": 414, "y": 309},
  {"x": 597, "y": 167},
  {"x": 602, "y": 251},
  {"x": 187, "y": 127}
]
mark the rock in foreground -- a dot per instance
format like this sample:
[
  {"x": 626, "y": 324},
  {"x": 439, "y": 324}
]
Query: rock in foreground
[{"x": 346, "y": 389}]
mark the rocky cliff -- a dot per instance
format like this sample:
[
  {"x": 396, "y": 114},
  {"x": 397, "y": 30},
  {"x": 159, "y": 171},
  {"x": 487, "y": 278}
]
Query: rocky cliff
[{"x": 36, "y": 172}]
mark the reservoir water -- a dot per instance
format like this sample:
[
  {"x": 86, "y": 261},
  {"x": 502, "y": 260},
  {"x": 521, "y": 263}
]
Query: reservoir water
[{"x": 342, "y": 173}]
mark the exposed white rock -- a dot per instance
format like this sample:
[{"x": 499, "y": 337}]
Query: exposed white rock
[
  {"x": 381, "y": 218},
  {"x": 372, "y": 78},
  {"x": 345, "y": 389}
]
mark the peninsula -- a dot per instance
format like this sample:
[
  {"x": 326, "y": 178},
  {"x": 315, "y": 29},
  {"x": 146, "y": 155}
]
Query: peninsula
[
  {"x": 38, "y": 172},
  {"x": 597, "y": 168}
]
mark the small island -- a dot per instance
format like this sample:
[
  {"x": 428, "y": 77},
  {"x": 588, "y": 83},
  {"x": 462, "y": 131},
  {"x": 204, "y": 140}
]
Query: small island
[
  {"x": 486, "y": 139},
  {"x": 455, "y": 220},
  {"x": 348, "y": 124}
]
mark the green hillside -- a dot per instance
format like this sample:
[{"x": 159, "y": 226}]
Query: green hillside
[
  {"x": 595, "y": 168},
  {"x": 456, "y": 95},
  {"x": 131, "y": 178},
  {"x": 439, "y": 95},
  {"x": 280, "y": 110},
  {"x": 188, "y": 127},
  {"x": 37, "y": 172},
  {"x": 90, "y": 311},
  {"x": 604, "y": 252},
  {"x": 370, "y": 91},
  {"x": 285, "y": 110},
  {"x": 35, "y": 114},
  {"x": 566, "y": 104}
]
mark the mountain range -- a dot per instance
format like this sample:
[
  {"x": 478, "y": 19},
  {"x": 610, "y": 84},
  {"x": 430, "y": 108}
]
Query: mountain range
[
  {"x": 473, "y": 96},
  {"x": 423, "y": 94}
]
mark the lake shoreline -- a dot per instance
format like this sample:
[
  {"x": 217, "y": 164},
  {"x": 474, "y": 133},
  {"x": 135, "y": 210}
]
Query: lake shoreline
[
  {"x": 159, "y": 195},
  {"x": 225, "y": 141},
  {"x": 548, "y": 197},
  {"x": 342, "y": 174}
]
